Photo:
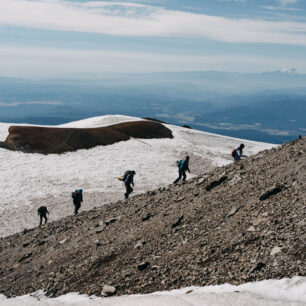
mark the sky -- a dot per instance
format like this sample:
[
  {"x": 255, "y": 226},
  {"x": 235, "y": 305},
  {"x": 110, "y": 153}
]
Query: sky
[{"x": 92, "y": 39}]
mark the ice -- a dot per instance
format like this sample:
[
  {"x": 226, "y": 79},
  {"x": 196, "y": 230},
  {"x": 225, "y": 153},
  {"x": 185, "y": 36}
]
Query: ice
[{"x": 265, "y": 293}]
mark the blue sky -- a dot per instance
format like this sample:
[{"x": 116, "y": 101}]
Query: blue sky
[{"x": 92, "y": 39}]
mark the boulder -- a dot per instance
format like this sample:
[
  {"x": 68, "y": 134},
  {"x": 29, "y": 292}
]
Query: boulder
[{"x": 108, "y": 290}]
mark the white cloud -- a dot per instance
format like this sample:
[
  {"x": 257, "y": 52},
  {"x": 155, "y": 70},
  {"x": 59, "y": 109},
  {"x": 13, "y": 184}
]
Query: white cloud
[
  {"x": 287, "y": 2},
  {"x": 13, "y": 104},
  {"x": 281, "y": 8},
  {"x": 135, "y": 19},
  {"x": 242, "y": 1}
]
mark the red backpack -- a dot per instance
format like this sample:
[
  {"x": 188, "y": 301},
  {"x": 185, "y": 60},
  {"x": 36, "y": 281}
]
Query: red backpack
[{"x": 234, "y": 152}]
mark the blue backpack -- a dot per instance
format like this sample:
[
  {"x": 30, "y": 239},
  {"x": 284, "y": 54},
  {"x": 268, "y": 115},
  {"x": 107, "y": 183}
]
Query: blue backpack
[{"x": 180, "y": 163}]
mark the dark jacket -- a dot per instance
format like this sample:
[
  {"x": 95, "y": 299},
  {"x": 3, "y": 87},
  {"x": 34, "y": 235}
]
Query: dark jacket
[
  {"x": 129, "y": 179},
  {"x": 77, "y": 197},
  {"x": 238, "y": 153},
  {"x": 42, "y": 210},
  {"x": 184, "y": 165}
]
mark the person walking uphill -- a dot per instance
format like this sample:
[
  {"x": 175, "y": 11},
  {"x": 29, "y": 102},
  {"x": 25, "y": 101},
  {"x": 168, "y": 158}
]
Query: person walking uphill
[
  {"x": 77, "y": 197},
  {"x": 42, "y": 212},
  {"x": 183, "y": 167},
  {"x": 128, "y": 179},
  {"x": 237, "y": 153}
]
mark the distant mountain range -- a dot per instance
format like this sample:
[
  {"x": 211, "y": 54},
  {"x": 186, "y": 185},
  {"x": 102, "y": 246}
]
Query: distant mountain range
[{"x": 264, "y": 106}]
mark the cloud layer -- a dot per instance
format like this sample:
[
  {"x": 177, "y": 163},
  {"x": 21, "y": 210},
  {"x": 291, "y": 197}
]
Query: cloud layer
[
  {"x": 63, "y": 63},
  {"x": 287, "y": 2},
  {"x": 135, "y": 19}
]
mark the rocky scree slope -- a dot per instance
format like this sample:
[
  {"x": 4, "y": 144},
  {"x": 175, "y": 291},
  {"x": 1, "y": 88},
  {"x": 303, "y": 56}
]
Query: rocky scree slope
[{"x": 239, "y": 223}]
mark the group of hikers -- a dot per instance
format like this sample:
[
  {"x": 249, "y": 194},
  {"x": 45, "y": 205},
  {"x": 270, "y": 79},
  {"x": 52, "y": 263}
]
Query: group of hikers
[
  {"x": 128, "y": 179},
  {"x": 77, "y": 198}
]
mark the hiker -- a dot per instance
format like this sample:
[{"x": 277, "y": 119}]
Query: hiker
[
  {"x": 42, "y": 212},
  {"x": 237, "y": 153},
  {"x": 128, "y": 179},
  {"x": 77, "y": 197},
  {"x": 183, "y": 166}
]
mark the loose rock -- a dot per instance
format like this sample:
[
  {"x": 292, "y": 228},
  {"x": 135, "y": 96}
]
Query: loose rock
[
  {"x": 142, "y": 266},
  {"x": 108, "y": 290}
]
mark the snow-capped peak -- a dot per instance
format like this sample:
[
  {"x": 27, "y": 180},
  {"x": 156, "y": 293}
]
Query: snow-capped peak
[{"x": 288, "y": 70}]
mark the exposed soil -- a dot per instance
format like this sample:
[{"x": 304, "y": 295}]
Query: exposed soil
[
  {"x": 47, "y": 140},
  {"x": 239, "y": 223}
]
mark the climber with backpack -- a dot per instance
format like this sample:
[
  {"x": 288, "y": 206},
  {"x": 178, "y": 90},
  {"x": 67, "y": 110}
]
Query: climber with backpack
[
  {"x": 237, "y": 153},
  {"x": 42, "y": 212},
  {"x": 77, "y": 197},
  {"x": 128, "y": 179},
  {"x": 183, "y": 166}
]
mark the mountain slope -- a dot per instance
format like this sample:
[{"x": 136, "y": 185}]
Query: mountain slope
[
  {"x": 30, "y": 180},
  {"x": 241, "y": 222}
]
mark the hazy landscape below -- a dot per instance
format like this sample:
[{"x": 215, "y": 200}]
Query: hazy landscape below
[{"x": 267, "y": 107}]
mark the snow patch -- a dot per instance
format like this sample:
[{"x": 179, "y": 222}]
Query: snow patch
[
  {"x": 100, "y": 121},
  {"x": 264, "y": 293}
]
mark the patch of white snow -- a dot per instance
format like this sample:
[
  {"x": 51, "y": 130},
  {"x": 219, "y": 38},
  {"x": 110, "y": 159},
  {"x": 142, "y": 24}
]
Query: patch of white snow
[{"x": 282, "y": 292}]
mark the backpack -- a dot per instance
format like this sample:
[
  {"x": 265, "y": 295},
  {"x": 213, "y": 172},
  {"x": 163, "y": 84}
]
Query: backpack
[
  {"x": 234, "y": 152},
  {"x": 179, "y": 163},
  {"x": 80, "y": 192},
  {"x": 42, "y": 210},
  {"x": 125, "y": 175}
]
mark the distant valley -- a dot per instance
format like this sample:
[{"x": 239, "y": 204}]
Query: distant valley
[{"x": 267, "y": 107}]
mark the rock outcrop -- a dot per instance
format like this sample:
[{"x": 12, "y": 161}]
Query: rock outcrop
[
  {"x": 241, "y": 230},
  {"x": 47, "y": 140}
]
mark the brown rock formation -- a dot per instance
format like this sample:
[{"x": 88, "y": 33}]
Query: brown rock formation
[{"x": 46, "y": 140}]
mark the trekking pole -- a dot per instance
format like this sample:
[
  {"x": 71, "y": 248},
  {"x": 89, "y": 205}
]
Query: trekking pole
[{"x": 141, "y": 141}]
